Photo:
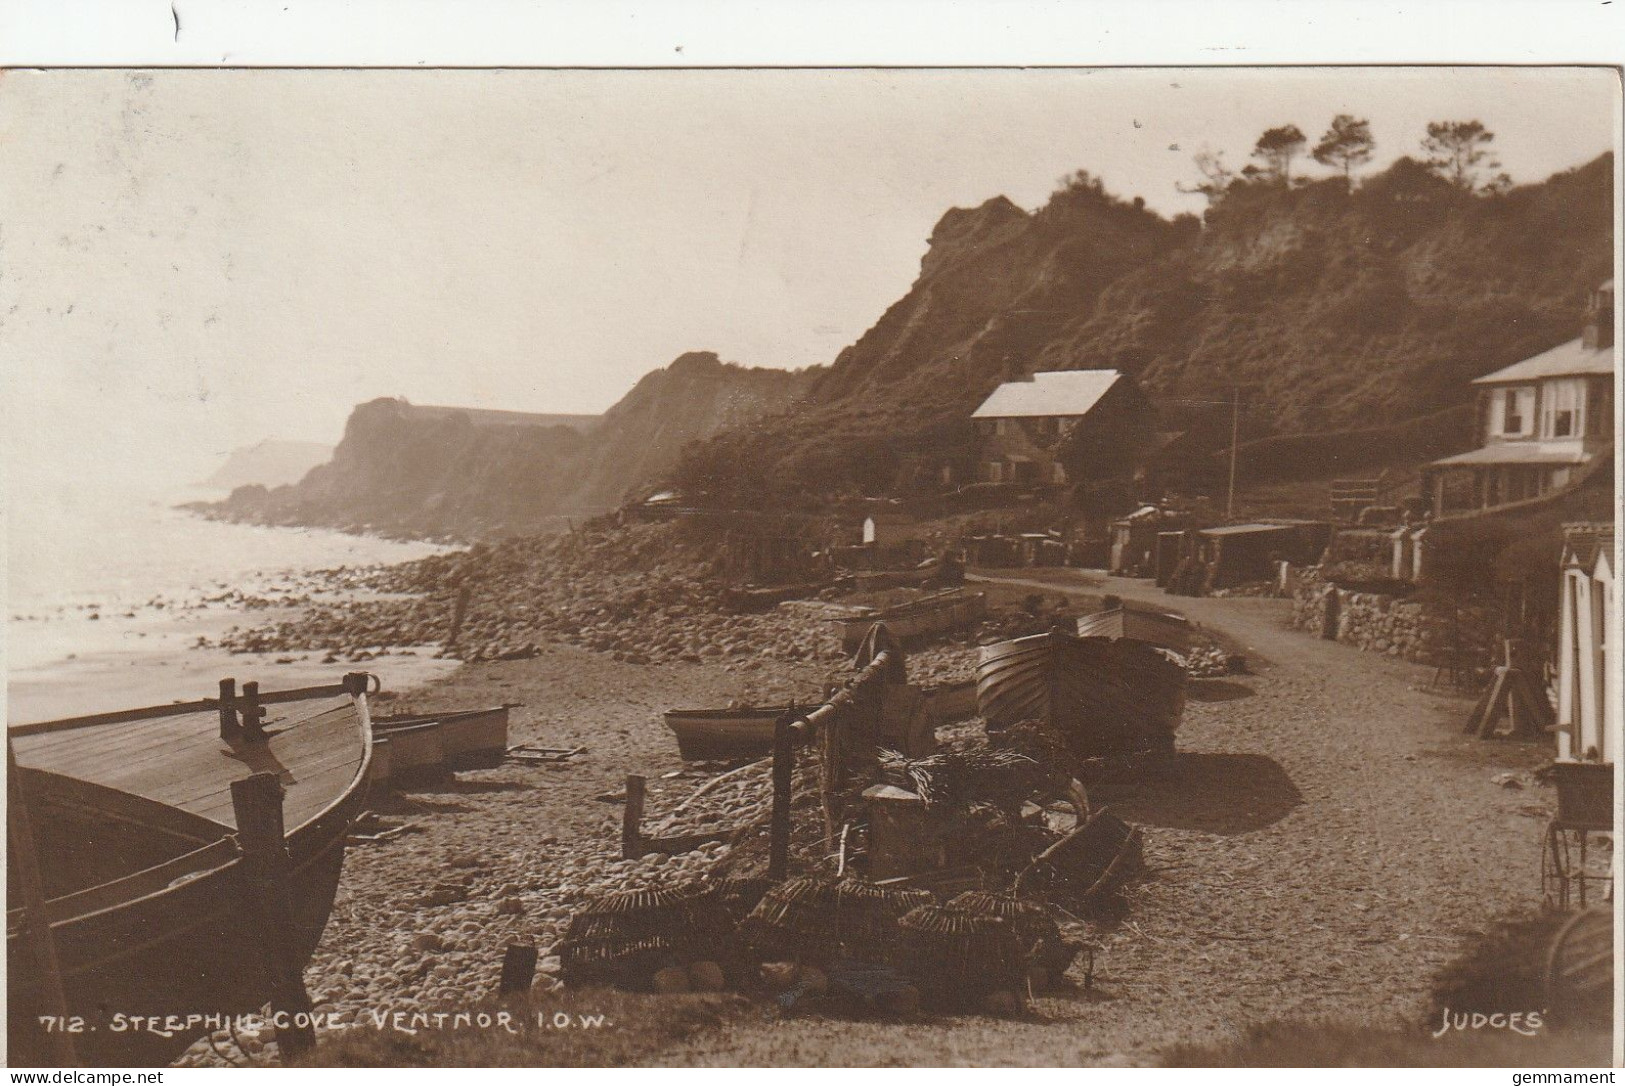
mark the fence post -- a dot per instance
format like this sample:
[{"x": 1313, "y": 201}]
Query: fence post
[
  {"x": 632, "y": 819},
  {"x": 518, "y": 969},
  {"x": 257, "y": 804},
  {"x": 778, "y": 859},
  {"x": 229, "y": 728}
]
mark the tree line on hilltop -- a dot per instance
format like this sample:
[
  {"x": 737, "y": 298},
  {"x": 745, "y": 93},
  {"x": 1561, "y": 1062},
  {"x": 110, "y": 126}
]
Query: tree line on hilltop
[{"x": 1457, "y": 153}]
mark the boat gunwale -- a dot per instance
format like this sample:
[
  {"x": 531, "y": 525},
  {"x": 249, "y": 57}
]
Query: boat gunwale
[
  {"x": 938, "y": 601},
  {"x": 177, "y": 708},
  {"x": 728, "y": 715},
  {"x": 454, "y": 716}
]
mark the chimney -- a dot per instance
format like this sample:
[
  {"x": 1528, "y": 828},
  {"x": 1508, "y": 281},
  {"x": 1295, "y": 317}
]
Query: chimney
[{"x": 1599, "y": 329}]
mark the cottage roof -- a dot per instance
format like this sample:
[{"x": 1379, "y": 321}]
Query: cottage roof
[
  {"x": 1584, "y": 544},
  {"x": 1053, "y": 394},
  {"x": 1520, "y": 452},
  {"x": 1569, "y": 359}
]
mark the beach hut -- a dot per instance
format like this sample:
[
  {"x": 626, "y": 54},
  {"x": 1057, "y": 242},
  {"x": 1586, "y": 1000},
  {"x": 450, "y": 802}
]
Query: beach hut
[
  {"x": 1588, "y": 728},
  {"x": 1588, "y": 724}
]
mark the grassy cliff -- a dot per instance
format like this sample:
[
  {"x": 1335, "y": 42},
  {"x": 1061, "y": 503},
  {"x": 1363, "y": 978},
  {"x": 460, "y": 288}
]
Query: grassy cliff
[{"x": 1330, "y": 310}]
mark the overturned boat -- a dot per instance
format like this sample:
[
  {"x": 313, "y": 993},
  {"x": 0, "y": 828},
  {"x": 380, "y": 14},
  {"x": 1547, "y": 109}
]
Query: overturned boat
[
  {"x": 1098, "y": 695},
  {"x": 130, "y": 894}
]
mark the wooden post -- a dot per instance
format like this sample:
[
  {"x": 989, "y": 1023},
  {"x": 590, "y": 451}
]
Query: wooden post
[
  {"x": 632, "y": 819},
  {"x": 229, "y": 728},
  {"x": 37, "y": 940},
  {"x": 458, "y": 613},
  {"x": 518, "y": 969},
  {"x": 257, "y": 803},
  {"x": 252, "y": 713},
  {"x": 778, "y": 857}
]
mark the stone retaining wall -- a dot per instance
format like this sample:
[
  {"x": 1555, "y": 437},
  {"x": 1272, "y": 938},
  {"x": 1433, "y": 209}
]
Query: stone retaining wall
[{"x": 1415, "y": 630}]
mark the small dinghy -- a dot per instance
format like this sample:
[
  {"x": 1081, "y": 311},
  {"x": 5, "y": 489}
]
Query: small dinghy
[
  {"x": 466, "y": 738},
  {"x": 715, "y": 735}
]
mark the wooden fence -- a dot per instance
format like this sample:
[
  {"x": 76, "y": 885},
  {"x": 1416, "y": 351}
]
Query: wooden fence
[{"x": 876, "y": 708}]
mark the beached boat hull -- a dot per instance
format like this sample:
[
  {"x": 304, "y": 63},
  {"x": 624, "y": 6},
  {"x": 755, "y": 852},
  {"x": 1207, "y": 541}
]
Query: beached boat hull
[
  {"x": 705, "y": 735},
  {"x": 1165, "y": 629},
  {"x": 917, "y": 619},
  {"x": 1102, "y": 696},
  {"x": 469, "y": 738},
  {"x": 150, "y": 905}
]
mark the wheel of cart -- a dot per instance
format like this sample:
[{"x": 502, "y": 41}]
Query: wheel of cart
[
  {"x": 1576, "y": 865},
  {"x": 1577, "y": 859},
  {"x": 1580, "y": 970},
  {"x": 1554, "y": 867}
]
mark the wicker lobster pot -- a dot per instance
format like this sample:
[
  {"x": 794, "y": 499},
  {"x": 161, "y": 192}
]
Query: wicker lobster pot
[
  {"x": 957, "y": 958},
  {"x": 797, "y": 920},
  {"x": 738, "y": 895},
  {"x": 1035, "y": 930},
  {"x": 868, "y": 918},
  {"x": 811, "y": 920},
  {"x": 625, "y": 937}
]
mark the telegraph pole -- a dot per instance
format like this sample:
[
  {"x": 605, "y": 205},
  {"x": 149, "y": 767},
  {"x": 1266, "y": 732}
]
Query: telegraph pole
[{"x": 1235, "y": 427}]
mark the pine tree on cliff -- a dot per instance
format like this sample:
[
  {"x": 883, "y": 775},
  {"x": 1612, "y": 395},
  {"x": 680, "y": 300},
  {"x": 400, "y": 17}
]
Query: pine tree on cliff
[
  {"x": 1459, "y": 150},
  {"x": 1347, "y": 143},
  {"x": 1276, "y": 148}
]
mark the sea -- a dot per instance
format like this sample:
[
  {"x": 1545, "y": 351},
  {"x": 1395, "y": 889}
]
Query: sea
[{"x": 109, "y": 591}]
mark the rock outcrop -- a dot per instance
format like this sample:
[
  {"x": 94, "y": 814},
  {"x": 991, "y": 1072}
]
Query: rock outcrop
[{"x": 471, "y": 474}]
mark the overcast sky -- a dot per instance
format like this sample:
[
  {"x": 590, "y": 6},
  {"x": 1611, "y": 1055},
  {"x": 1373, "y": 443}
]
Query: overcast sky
[{"x": 216, "y": 257}]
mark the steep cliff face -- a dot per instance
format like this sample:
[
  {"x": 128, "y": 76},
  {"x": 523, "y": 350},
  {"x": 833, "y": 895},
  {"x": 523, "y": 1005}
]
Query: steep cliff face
[
  {"x": 1330, "y": 310},
  {"x": 472, "y": 474},
  {"x": 698, "y": 395}
]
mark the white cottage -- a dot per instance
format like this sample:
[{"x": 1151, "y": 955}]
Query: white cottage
[{"x": 1542, "y": 422}]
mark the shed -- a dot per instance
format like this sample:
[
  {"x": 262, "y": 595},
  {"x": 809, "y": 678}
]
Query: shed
[{"x": 1244, "y": 553}]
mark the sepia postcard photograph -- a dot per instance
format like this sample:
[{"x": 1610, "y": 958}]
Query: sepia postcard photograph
[{"x": 833, "y": 566}]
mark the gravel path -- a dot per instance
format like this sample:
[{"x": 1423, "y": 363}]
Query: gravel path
[{"x": 1324, "y": 842}]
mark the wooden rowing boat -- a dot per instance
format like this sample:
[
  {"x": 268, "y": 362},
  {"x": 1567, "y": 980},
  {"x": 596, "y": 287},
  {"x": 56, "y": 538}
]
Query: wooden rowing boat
[
  {"x": 1101, "y": 696},
  {"x": 149, "y": 899},
  {"x": 924, "y": 617},
  {"x": 1165, "y": 629},
  {"x": 723, "y": 734},
  {"x": 469, "y": 738}
]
